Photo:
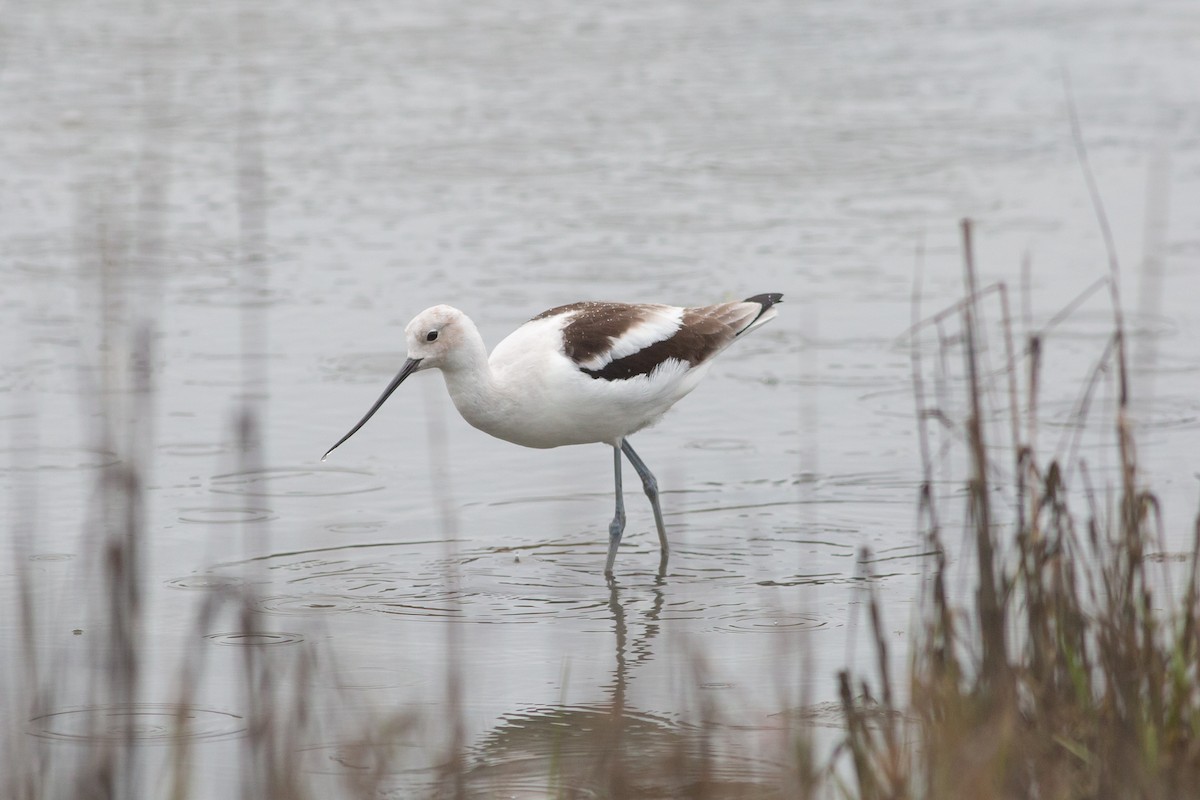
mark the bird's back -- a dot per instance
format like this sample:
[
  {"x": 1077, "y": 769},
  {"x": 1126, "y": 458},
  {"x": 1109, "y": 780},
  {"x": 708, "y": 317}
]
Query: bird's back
[{"x": 597, "y": 371}]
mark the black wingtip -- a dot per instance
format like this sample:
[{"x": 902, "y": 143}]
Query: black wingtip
[{"x": 765, "y": 300}]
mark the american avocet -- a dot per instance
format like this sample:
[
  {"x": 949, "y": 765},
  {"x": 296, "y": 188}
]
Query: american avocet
[{"x": 577, "y": 374}]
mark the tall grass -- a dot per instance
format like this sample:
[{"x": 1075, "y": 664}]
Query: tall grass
[{"x": 1073, "y": 674}]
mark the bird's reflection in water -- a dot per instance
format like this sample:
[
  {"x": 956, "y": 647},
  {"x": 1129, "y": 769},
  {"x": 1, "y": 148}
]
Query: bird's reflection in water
[
  {"x": 639, "y": 648},
  {"x": 609, "y": 749}
]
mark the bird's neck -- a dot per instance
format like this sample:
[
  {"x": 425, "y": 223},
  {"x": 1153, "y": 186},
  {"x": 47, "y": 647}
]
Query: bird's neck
[{"x": 472, "y": 385}]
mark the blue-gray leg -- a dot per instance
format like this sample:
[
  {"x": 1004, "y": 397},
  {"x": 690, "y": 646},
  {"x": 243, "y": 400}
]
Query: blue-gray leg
[
  {"x": 651, "y": 487},
  {"x": 618, "y": 523}
]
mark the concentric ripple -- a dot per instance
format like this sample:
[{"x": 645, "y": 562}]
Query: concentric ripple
[
  {"x": 772, "y": 621},
  {"x": 224, "y": 516},
  {"x": 550, "y": 581},
  {"x": 142, "y": 723},
  {"x": 31, "y": 459},
  {"x": 296, "y": 482},
  {"x": 307, "y": 604},
  {"x": 254, "y": 638}
]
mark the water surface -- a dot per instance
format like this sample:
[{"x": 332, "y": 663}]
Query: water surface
[{"x": 508, "y": 158}]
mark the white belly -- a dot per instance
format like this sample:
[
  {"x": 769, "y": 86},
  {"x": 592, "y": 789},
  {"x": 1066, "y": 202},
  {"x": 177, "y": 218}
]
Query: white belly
[{"x": 545, "y": 401}]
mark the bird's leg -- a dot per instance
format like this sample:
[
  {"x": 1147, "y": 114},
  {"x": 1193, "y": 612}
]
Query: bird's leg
[
  {"x": 618, "y": 524},
  {"x": 651, "y": 487}
]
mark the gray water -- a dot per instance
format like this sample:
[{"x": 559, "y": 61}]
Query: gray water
[{"x": 282, "y": 187}]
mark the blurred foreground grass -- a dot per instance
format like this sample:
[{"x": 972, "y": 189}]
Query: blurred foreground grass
[{"x": 1071, "y": 673}]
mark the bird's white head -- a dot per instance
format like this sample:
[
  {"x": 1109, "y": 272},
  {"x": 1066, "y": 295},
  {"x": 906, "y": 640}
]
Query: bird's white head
[
  {"x": 436, "y": 337},
  {"x": 440, "y": 337}
]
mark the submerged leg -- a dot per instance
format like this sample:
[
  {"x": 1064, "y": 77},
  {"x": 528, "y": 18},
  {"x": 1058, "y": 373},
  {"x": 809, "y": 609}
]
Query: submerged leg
[
  {"x": 651, "y": 487},
  {"x": 618, "y": 523}
]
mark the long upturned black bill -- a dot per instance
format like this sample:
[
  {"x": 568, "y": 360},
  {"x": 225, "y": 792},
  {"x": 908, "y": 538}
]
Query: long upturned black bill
[{"x": 409, "y": 368}]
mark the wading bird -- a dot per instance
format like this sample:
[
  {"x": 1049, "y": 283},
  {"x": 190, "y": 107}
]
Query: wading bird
[{"x": 578, "y": 374}]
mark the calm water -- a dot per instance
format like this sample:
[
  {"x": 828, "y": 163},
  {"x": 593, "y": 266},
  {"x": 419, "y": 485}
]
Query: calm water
[{"x": 507, "y": 158}]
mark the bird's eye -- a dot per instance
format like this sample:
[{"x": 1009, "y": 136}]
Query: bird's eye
[{"x": 431, "y": 336}]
